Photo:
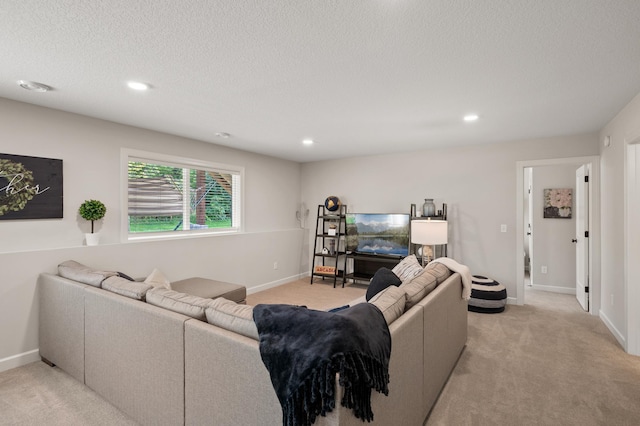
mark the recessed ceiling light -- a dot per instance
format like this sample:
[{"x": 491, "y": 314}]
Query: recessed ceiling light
[
  {"x": 307, "y": 141},
  {"x": 33, "y": 86},
  {"x": 471, "y": 117},
  {"x": 223, "y": 135},
  {"x": 137, "y": 85}
]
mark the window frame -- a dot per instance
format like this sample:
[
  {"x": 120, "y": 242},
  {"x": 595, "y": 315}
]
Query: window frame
[{"x": 127, "y": 155}]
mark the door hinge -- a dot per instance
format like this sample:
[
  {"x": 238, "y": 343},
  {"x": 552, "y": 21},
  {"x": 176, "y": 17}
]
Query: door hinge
[
  {"x": 586, "y": 234},
  {"x": 586, "y": 179},
  {"x": 586, "y": 289}
]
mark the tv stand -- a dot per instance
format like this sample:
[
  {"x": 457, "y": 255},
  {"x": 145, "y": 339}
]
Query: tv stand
[{"x": 365, "y": 265}]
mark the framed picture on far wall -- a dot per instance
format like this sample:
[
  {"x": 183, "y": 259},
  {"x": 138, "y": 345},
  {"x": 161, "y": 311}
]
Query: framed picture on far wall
[{"x": 558, "y": 203}]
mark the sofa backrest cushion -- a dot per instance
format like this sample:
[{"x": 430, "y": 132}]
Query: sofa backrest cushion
[
  {"x": 232, "y": 316},
  {"x": 408, "y": 268},
  {"x": 391, "y": 302},
  {"x": 419, "y": 287},
  {"x": 124, "y": 287},
  {"x": 440, "y": 271},
  {"x": 182, "y": 303},
  {"x": 78, "y": 272}
]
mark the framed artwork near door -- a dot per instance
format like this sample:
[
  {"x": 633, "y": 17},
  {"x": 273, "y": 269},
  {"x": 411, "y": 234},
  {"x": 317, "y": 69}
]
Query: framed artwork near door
[{"x": 558, "y": 203}]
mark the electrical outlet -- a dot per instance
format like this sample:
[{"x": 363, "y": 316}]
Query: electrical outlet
[
  {"x": 503, "y": 228},
  {"x": 543, "y": 269},
  {"x": 275, "y": 265}
]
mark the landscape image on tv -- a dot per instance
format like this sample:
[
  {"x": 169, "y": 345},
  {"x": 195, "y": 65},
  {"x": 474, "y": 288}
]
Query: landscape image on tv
[{"x": 378, "y": 233}]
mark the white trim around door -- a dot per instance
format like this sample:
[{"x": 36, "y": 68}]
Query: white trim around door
[{"x": 594, "y": 223}]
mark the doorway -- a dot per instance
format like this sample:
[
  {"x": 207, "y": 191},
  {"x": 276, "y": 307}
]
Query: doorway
[{"x": 593, "y": 223}]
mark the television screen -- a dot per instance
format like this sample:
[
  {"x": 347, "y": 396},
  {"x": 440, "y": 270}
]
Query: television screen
[{"x": 378, "y": 233}]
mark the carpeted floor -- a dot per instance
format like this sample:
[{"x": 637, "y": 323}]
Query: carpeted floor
[{"x": 545, "y": 363}]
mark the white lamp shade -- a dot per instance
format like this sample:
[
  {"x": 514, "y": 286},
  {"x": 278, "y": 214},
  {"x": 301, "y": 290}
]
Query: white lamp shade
[{"x": 429, "y": 232}]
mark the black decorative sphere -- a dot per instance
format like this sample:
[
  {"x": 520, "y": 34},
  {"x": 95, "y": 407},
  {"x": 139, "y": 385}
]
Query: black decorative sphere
[{"x": 332, "y": 203}]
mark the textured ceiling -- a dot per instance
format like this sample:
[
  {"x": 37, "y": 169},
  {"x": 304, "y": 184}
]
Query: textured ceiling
[{"x": 359, "y": 77}]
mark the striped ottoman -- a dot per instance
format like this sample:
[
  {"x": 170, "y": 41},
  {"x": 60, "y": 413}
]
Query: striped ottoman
[{"x": 487, "y": 296}]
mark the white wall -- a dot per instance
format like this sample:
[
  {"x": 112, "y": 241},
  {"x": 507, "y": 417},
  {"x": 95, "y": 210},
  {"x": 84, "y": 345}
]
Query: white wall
[
  {"x": 90, "y": 150},
  {"x": 624, "y": 128},
  {"x": 552, "y": 246},
  {"x": 477, "y": 182}
]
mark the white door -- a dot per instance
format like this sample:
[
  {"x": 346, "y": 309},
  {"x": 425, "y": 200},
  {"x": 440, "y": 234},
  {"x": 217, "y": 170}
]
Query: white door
[{"x": 581, "y": 240}]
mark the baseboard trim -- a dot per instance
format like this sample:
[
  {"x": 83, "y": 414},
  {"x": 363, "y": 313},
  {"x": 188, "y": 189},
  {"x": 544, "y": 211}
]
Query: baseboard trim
[
  {"x": 616, "y": 333},
  {"x": 554, "y": 289},
  {"x": 277, "y": 283},
  {"x": 19, "y": 360}
]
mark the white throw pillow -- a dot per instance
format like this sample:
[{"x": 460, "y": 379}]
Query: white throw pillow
[
  {"x": 408, "y": 268},
  {"x": 158, "y": 280}
]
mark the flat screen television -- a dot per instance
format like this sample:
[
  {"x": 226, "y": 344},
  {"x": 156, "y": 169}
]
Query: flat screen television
[{"x": 378, "y": 233}]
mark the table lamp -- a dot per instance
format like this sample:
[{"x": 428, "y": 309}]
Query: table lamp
[{"x": 428, "y": 233}]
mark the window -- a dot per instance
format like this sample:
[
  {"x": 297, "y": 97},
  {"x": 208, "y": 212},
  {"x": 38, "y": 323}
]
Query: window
[{"x": 169, "y": 196}]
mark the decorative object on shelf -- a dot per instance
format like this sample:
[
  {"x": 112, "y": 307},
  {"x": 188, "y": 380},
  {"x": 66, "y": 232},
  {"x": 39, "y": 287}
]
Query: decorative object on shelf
[
  {"x": 332, "y": 203},
  {"x": 332, "y": 230},
  {"x": 557, "y": 203},
  {"x": 324, "y": 270},
  {"x": 92, "y": 210},
  {"x": 428, "y": 208},
  {"x": 429, "y": 233},
  {"x": 30, "y": 187}
]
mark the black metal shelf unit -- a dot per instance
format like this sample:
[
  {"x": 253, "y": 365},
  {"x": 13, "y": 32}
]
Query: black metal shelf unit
[{"x": 329, "y": 245}]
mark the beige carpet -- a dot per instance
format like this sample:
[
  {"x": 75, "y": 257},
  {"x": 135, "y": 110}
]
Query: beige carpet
[{"x": 545, "y": 363}]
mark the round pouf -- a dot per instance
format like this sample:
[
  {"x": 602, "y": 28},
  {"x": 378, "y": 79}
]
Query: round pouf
[{"x": 487, "y": 296}]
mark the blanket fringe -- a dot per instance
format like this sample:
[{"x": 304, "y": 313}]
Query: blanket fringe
[{"x": 316, "y": 395}]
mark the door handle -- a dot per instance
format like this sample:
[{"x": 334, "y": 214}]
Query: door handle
[{"x": 574, "y": 240}]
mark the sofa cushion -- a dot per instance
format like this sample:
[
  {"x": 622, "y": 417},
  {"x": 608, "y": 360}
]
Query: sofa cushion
[
  {"x": 232, "y": 316},
  {"x": 408, "y": 268},
  {"x": 440, "y": 271},
  {"x": 419, "y": 287},
  {"x": 158, "y": 280},
  {"x": 185, "y": 304},
  {"x": 124, "y": 287},
  {"x": 382, "y": 279},
  {"x": 391, "y": 302},
  {"x": 84, "y": 274}
]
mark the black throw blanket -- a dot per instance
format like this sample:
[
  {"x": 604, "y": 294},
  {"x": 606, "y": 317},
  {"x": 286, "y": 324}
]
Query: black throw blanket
[{"x": 303, "y": 349}]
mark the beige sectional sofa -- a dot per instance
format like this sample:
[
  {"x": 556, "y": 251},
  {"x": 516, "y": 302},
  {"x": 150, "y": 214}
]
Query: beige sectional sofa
[{"x": 166, "y": 368}]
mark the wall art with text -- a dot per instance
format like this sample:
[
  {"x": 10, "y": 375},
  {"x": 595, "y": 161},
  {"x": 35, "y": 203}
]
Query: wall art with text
[{"x": 30, "y": 187}]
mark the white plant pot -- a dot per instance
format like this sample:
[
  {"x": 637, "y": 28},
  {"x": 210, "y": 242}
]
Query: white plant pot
[{"x": 92, "y": 239}]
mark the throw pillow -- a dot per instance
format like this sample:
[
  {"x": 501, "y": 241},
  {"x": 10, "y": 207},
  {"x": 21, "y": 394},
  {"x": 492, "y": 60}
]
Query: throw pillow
[
  {"x": 382, "y": 279},
  {"x": 78, "y": 272},
  {"x": 440, "y": 271},
  {"x": 233, "y": 317},
  {"x": 158, "y": 280},
  {"x": 418, "y": 288},
  {"x": 408, "y": 268},
  {"x": 391, "y": 303}
]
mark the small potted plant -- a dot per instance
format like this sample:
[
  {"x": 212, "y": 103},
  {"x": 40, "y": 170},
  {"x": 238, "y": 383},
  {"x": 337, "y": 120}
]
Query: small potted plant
[{"x": 92, "y": 210}]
